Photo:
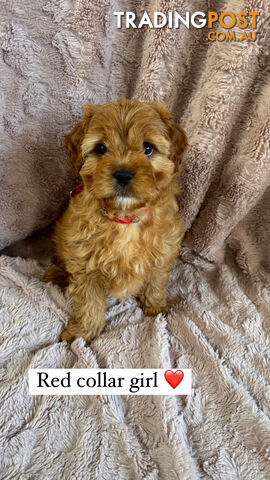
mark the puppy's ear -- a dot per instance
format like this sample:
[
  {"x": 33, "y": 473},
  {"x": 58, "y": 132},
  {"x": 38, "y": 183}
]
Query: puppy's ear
[
  {"x": 73, "y": 140},
  {"x": 175, "y": 134}
]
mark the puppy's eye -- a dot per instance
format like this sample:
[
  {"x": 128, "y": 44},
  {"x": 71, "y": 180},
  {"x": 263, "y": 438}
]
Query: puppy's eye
[
  {"x": 148, "y": 149},
  {"x": 101, "y": 149}
]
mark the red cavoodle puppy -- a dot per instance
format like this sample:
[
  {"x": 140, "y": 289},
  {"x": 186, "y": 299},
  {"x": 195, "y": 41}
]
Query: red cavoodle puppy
[{"x": 122, "y": 231}]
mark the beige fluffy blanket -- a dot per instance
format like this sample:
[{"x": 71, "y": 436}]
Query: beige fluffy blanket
[
  {"x": 56, "y": 56},
  {"x": 219, "y": 326}
]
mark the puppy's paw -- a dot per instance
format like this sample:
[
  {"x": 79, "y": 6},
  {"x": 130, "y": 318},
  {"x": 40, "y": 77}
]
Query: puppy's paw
[
  {"x": 154, "y": 311},
  {"x": 74, "y": 330},
  {"x": 68, "y": 335}
]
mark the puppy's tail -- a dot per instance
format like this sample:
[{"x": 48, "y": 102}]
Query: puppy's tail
[{"x": 56, "y": 274}]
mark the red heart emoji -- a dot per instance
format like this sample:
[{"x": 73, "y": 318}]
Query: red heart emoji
[{"x": 174, "y": 378}]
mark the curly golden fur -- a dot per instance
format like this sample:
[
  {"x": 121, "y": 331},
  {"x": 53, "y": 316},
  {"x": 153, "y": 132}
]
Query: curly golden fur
[{"x": 97, "y": 255}]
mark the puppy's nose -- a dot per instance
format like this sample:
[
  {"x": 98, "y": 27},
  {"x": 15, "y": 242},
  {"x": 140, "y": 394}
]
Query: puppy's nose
[{"x": 123, "y": 176}]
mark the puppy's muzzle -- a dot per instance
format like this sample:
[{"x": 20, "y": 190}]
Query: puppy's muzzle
[{"x": 123, "y": 176}]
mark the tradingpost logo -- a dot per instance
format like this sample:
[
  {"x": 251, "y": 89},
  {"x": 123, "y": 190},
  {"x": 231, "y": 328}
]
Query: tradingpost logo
[{"x": 245, "y": 21}]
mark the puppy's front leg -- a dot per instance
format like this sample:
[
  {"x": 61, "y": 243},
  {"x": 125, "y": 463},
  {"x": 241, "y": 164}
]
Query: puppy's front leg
[
  {"x": 88, "y": 293},
  {"x": 153, "y": 296}
]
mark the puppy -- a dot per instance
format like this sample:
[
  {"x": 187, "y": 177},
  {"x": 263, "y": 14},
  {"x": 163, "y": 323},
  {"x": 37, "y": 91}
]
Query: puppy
[{"x": 122, "y": 230}]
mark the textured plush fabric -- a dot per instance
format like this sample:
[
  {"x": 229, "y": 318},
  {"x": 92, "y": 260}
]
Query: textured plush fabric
[
  {"x": 219, "y": 326},
  {"x": 58, "y": 55}
]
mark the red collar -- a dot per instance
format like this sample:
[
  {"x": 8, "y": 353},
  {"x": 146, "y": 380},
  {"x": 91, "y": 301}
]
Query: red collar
[
  {"x": 104, "y": 212},
  {"x": 114, "y": 218},
  {"x": 76, "y": 190}
]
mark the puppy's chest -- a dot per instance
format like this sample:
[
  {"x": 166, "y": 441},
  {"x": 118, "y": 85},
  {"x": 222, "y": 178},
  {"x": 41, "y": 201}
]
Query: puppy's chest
[
  {"x": 119, "y": 249},
  {"x": 124, "y": 242}
]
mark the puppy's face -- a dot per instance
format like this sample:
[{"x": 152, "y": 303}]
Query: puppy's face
[{"x": 126, "y": 151}]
